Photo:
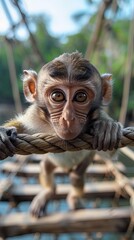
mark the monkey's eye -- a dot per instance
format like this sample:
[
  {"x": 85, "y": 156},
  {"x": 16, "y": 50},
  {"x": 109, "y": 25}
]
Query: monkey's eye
[
  {"x": 57, "y": 96},
  {"x": 80, "y": 97}
]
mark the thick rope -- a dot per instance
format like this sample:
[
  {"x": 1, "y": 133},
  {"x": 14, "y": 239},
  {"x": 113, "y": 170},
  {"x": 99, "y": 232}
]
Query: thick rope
[{"x": 41, "y": 143}]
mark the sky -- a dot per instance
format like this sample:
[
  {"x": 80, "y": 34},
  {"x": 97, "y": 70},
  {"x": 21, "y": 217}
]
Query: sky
[{"x": 59, "y": 11}]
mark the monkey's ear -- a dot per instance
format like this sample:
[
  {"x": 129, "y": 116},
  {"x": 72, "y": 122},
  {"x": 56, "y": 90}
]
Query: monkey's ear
[
  {"x": 106, "y": 88},
  {"x": 29, "y": 85}
]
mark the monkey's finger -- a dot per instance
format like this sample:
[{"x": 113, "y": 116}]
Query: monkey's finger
[
  {"x": 36, "y": 210},
  {"x": 107, "y": 136},
  {"x": 95, "y": 131},
  {"x": 92, "y": 133},
  {"x": 12, "y": 133},
  {"x": 101, "y": 135},
  {"x": 97, "y": 141},
  {"x": 33, "y": 208},
  {"x": 2, "y": 146},
  {"x": 114, "y": 139},
  {"x": 95, "y": 137},
  {"x": 119, "y": 133},
  {"x": 5, "y": 150},
  {"x": 8, "y": 147},
  {"x": 120, "y": 128}
]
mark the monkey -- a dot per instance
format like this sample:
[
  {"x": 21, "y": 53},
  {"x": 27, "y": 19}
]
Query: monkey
[{"x": 66, "y": 99}]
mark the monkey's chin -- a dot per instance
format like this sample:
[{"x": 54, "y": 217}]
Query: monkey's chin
[{"x": 67, "y": 135}]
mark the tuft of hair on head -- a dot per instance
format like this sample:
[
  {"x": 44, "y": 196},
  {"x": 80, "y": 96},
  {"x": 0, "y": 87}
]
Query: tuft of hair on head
[{"x": 74, "y": 56}]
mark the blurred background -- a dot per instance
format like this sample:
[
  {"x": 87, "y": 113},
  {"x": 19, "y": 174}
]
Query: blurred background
[{"x": 34, "y": 32}]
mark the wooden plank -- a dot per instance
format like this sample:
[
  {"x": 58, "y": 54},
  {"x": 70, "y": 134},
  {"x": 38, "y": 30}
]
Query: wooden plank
[
  {"x": 128, "y": 152},
  {"x": 88, "y": 220},
  {"x": 26, "y": 192},
  {"x": 32, "y": 170}
]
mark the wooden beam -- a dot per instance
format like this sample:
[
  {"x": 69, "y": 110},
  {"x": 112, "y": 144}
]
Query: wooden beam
[
  {"x": 26, "y": 192},
  {"x": 32, "y": 170},
  {"x": 88, "y": 220},
  {"x": 122, "y": 181}
]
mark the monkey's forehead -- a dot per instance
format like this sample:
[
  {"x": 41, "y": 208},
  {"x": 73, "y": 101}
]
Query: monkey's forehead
[{"x": 71, "y": 68}]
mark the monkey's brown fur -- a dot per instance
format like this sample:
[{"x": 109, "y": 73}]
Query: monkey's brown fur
[{"x": 66, "y": 98}]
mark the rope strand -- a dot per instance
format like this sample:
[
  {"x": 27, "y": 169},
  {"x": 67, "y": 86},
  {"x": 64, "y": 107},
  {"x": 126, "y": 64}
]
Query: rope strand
[{"x": 40, "y": 143}]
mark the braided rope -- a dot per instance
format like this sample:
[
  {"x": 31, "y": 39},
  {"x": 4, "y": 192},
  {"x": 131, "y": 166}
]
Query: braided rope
[{"x": 41, "y": 143}]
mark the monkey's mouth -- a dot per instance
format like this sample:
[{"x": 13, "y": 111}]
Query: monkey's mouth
[{"x": 67, "y": 134}]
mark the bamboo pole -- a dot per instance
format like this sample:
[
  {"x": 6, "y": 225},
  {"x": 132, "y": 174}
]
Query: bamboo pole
[
  {"x": 98, "y": 28},
  {"x": 128, "y": 152},
  {"x": 127, "y": 79},
  {"x": 32, "y": 38},
  {"x": 13, "y": 77}
]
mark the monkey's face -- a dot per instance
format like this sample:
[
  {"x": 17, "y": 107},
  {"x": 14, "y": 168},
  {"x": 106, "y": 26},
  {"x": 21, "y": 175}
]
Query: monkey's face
[
  {"x": 68, "y": 107},
  {"x": 70, "y": 91}
]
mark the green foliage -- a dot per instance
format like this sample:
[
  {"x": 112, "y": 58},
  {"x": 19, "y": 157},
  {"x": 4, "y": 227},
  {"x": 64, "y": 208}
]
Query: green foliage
[
  {"x": 48, "y": 45},
  {"x": 109, "y": 56},
  {"x": 5, "y": 86},
  {"x": 76, "y": 42}
]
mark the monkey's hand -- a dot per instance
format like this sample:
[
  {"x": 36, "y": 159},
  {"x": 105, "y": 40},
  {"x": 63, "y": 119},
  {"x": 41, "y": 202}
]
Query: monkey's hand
[
  {"x": 7, "y": 136},
  {"x": 107, "y": 134}
]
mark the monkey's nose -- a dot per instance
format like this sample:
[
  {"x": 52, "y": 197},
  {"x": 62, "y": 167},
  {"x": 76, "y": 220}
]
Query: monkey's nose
[{"x": 68, "y": 123}]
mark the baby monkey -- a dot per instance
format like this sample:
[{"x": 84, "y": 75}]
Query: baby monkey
[{"x": 66, "y": 96}]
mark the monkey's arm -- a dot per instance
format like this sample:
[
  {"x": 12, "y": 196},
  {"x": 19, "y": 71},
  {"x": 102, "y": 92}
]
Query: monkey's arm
[
  {"x": 15, "y": 123},
  {"x": 104, "y": 116}
]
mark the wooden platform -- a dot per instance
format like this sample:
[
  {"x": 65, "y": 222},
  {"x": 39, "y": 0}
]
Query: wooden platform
[{"x": 104, "y": 181}]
